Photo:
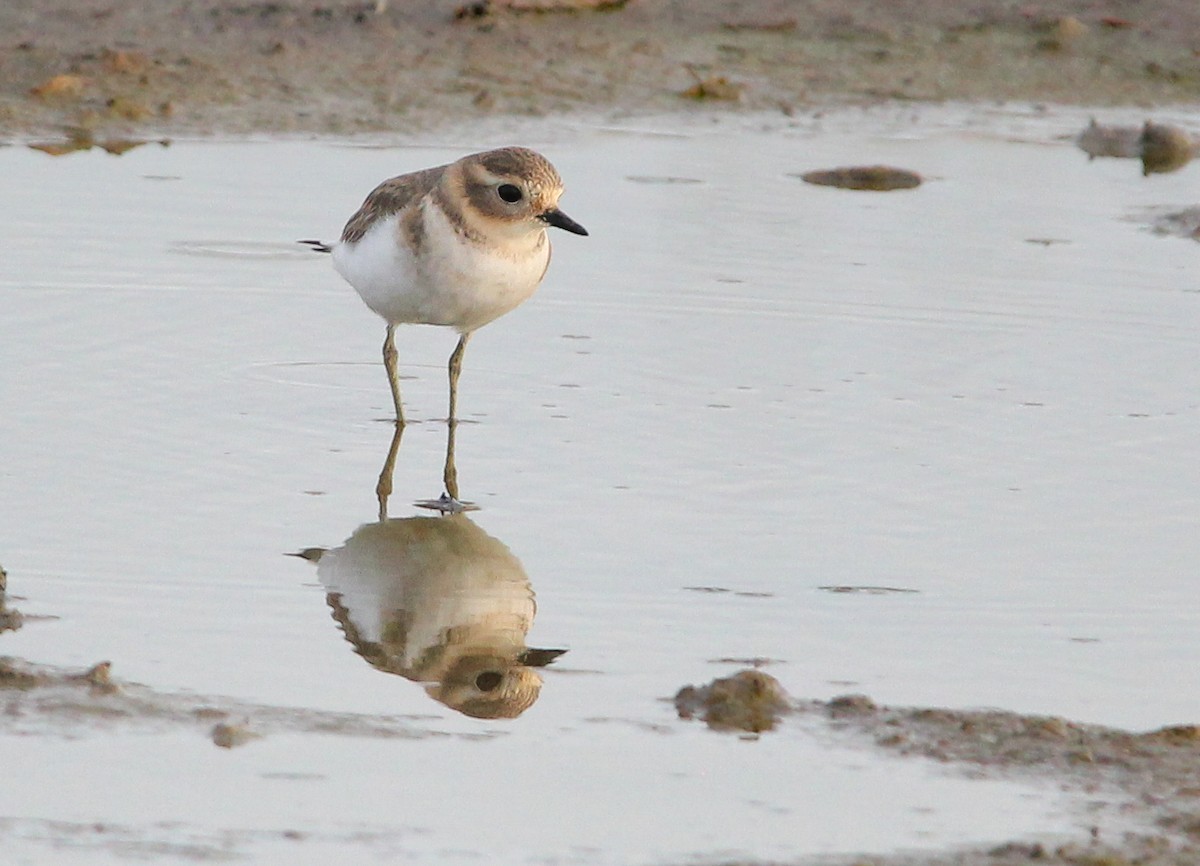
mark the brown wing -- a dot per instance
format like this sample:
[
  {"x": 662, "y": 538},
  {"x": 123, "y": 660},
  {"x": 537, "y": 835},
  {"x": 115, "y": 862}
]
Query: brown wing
[{"x": 388, "y": 198}]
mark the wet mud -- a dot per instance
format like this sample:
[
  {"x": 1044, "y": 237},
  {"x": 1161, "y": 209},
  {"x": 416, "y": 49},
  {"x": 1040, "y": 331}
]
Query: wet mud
[
  {"x": 40, "y": 700},
  {"x": 872, "y": 178},
  {"x": 1149, "y": 778}
]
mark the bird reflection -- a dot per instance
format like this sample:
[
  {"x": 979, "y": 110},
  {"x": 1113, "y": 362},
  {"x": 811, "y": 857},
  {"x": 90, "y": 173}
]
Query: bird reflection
[
  {"x": 438, "y": 601},
  {"x": 449, "y": 502}
]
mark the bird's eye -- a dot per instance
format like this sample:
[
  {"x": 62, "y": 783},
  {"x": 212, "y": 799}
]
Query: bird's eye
[
  {"x": 488, "y": 681},
  {"x": 509, "y": 193}
]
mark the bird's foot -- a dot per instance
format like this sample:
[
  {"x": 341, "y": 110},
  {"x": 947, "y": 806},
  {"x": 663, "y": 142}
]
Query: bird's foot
[{"x": 447, "y": 504}]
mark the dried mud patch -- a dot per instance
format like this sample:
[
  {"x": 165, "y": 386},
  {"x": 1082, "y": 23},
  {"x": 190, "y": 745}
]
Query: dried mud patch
[{"x": 116, "y": 69}]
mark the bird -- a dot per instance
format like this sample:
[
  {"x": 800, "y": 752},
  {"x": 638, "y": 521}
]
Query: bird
[
  {"x": 457, "y": 245},
  {"x": 440, "y": 602}
]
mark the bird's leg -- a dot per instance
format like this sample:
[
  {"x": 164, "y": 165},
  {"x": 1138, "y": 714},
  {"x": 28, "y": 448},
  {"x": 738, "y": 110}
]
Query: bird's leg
[
  {"x": 455, "y": 368},
  {"x": 389, "y": 364},
  {"x": 383, "y": 489},
  {"x": 450, "y": 473}
]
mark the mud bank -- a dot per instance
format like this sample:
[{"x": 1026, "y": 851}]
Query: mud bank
[{"x": 338, "y": 67}]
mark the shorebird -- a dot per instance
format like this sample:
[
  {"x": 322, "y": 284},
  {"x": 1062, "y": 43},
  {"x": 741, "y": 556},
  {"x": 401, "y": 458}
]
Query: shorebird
[{"x": 457, "y": 245}]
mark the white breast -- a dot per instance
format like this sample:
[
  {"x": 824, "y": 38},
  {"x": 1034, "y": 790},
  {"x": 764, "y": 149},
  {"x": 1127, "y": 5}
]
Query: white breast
[
  {"x": 380, "y": 270},
  {"x": 453, "y": 281}
]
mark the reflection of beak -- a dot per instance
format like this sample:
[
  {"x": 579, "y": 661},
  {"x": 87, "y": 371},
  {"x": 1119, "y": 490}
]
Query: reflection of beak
[
  {"x": 538, "y": 658},
  {"x": 560, "y": 220}
]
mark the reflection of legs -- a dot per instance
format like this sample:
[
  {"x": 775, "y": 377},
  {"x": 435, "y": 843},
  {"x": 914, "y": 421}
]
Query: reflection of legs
[
  {"x": 455, "y": 368},
  {"x": 450, "y": 473},
  {"x": 389, "y": 364},
  {"x": 383, "y": 489}
]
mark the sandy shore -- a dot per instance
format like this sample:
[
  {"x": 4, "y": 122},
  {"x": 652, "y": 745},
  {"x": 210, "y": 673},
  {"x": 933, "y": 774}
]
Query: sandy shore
[{"x": 118, "y": 67}]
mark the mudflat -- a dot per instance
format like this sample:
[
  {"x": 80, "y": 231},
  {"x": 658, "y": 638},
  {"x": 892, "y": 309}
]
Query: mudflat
[{"x": 344, "y": 66}]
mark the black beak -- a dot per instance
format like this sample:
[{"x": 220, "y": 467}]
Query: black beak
[
  {"x": 538, "y": 658},
  {"x": 560, "y": 220}
]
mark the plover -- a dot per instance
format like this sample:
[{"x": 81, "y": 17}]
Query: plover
[
  {"x": 439, "y": 602},
  {"x": 457, "y": 245}
]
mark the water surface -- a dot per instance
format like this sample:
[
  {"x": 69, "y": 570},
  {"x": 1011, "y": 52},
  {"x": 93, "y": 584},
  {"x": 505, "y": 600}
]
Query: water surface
[{"x": 740, "y": 391}]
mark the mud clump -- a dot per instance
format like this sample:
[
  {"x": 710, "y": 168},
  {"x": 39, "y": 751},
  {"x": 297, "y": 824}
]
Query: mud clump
[
  {"x": 706, "y": 88},
  {"x": 852, "y": 705},
  {"x": 873, "y": 178},
  {"x": 1161, "y": 147},
  {"x": 749, "y": 700},
  {"x": 15, "y": 674},
  {"x": 1062, "y": 34},
  {"x": 228, "y": 736},
  {"x": 1165, "y": 148}
]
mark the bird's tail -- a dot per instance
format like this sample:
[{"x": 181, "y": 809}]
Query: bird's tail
[{"x": 317, "y": 246}]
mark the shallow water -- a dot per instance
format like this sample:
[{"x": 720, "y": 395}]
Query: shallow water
[{"x": 740, "y": 392}]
